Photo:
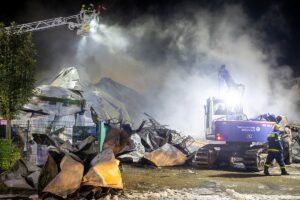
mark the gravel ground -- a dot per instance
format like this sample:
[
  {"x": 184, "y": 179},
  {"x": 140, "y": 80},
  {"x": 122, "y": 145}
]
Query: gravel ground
[{"x": 202, "y": 194}]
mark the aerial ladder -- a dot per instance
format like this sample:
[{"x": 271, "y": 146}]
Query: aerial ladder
[{"x": 82, "y": 22}]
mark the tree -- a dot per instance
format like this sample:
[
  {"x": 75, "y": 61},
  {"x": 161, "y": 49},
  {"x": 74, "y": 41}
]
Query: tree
[{"x": 17, "y": 66}]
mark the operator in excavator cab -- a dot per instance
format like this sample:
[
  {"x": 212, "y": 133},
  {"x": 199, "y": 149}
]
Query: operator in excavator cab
[{"x": 275, "y": 151}]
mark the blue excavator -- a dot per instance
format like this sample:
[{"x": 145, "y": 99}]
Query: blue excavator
[{"x": 233, "y": 137}]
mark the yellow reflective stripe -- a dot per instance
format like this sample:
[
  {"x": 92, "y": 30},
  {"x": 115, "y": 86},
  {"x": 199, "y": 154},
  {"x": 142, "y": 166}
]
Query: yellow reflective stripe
[
  {"x": 271, "y": 135},
  {"x": 273, "y": 150},
  {"x": 267, "y": 165}
]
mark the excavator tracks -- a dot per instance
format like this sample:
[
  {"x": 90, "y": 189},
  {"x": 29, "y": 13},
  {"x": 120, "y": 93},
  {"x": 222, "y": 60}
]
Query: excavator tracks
[
  {"x": 205, "y": 157},
  {"x": 254, "y": 159}
]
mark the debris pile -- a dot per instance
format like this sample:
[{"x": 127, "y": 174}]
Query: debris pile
[
  {"x": 66, "y": 170},
  {"x": 134, "y": 102},
  {"x": 66, "y": 102},
  {"x": 296, "y": 146},
  {"x": 70, "y": 171},
  {"x": 160, "y": 146},
  {"x": 167, "y": 155}
]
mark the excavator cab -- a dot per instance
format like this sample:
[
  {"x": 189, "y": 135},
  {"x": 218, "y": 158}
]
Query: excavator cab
[{"x": 218, "y": 110}]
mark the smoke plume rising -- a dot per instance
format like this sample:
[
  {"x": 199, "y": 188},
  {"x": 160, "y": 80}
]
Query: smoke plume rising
[{"x": 174, "y": 62}]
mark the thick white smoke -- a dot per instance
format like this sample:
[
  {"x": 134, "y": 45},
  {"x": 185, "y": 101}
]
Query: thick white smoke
[{"x": 175, "y": 63}]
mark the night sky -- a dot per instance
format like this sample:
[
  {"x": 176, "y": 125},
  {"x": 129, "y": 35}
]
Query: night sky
[{"x": 282, "y": 31}]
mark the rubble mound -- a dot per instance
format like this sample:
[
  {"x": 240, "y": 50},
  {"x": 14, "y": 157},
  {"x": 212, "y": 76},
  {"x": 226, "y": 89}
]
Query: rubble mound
[
  {"x": 135, "y": 103},
  {"x": 70, "y": 171},
  {"x": 68, "y": 78},
  {"x": 67, "y": 102}
]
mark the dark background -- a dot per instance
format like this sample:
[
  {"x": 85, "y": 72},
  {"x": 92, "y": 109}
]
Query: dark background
[{"x": 285, "y": 36}]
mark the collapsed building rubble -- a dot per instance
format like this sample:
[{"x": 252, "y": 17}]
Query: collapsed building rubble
[
  {"x": 64, "y": 109},
  {"x": 75, "y": 171},
  {"x": 17, "y": 175},
  {"x": 65, "y": 103},
  {"x": 80, "y": 170},
  {"x": 296, "y": 145},
  {"x": 159, "y": 145},
  {"x": 134, "y": 102},
  {"x": 167, "y": 155}
]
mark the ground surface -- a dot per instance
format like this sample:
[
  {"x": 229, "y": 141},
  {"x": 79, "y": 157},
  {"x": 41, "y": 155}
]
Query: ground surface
[
  {"x": 190, "y": 183},
  {"x": 187, "y": 183}
]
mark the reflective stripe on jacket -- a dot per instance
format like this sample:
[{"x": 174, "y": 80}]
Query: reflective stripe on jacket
[{"x": 273, "y": 150}]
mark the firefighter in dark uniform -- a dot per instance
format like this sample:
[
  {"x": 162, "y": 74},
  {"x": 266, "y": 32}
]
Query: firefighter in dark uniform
[{"x": 275, "y": 151}]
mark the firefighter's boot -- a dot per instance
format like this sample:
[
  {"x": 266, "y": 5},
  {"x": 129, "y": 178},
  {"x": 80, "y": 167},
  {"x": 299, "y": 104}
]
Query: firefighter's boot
[
  {"x": 284, "y": 172},
  {"x": 266, "y": 171}
]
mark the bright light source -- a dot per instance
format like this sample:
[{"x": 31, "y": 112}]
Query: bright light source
[
  {"x": 93, "y": 30},
  {"x": 93, "y": 26},
  {"x": 93, "y": 23},
  {"x": 232, "y": 99}
]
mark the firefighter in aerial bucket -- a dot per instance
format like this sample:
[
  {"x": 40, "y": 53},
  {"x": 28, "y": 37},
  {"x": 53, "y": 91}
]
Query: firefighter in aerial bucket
[{"x": 275, "y": 151}]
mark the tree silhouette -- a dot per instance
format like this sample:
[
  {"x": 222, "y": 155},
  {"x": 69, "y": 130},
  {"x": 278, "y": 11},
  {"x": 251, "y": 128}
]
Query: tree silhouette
[{"x": 17, "y": 65}]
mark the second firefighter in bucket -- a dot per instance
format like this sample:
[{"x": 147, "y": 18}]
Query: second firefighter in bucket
[{"x": 275, "y": 151}]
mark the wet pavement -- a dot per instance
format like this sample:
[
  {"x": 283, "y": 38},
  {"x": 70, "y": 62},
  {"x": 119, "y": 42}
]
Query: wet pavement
[{"x": 187, "y": 183}]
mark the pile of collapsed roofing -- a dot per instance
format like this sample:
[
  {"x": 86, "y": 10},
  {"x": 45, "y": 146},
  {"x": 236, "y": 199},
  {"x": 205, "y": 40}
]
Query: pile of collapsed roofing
[
  {"x": 69, "y": 172},
  {"x": 79, "y": 171},
  {"x": 159, "y": 145},
  {"x": 68, "y": 99}
]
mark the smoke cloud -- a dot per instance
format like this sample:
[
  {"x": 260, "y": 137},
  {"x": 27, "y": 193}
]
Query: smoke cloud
[{"x": 174, "y": 62}]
